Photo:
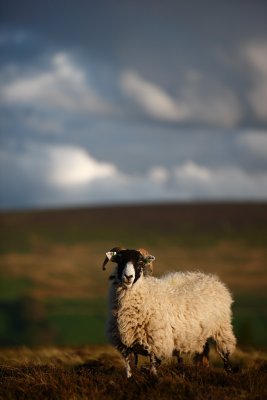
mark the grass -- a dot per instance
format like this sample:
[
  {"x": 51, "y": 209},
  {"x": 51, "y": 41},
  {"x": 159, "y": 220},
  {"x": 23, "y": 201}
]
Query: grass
[
  {"x": 70, "y": 321},
  {"x": 202, "y": 224},
  {"x": 11, "y": 289},
  {"x": 79, "y": 373},
  {"x": 78, "y": 321}
]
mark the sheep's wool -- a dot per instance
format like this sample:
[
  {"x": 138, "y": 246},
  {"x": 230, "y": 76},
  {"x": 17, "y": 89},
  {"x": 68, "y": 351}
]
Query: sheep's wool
[{"x": 177, "y": 312}]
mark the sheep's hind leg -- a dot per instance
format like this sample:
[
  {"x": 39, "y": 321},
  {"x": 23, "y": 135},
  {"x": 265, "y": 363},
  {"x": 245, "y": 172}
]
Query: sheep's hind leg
[
  {"x": 154, "y": 363},
  {"x": 203, "y": 358},
  {"x": 224, "y": 354},
  {"x": 226, "y": 362},
  {"x": 225, "y": 345}
]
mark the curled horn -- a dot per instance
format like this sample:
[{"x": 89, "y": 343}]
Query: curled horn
[
  {"x": 114, "y": 250},
  {"x": 149, "y": 264}
]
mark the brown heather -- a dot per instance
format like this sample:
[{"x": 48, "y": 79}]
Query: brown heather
[{"x": 98, "y": 373}]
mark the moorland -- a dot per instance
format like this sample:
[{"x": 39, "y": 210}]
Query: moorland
[{"x": 53, "y": 298}]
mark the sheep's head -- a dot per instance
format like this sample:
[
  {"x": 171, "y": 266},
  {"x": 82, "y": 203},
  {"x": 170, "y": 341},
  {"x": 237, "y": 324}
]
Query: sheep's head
[{"x": 131, "y": 264}]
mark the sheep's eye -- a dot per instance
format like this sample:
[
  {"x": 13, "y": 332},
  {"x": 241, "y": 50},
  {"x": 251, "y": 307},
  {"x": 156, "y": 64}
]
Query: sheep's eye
[{"x": 117, "y": 257}]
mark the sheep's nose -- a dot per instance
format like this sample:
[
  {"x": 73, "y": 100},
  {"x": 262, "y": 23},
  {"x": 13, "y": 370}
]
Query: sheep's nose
[{"x": 128, "y": 277}]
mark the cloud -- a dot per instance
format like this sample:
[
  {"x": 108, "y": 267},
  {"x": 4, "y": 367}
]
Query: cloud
[
  {"x": 192, "y": 172},
  {"x": 63, "y": 86},
  {"x": 62, "y": 166},
  {"x": 71, "y": 166},
  {"x": 152, "y": 99},
  {"x": 210, "y": 101},
  {"x": 158, "y": 175},
  {"x": 227, "y": 182},
  {"x": 201, "y": 100},
  {"x": 255, "y": 142},
  {"x": 67, "y": 175},
  {"x": 256, "y": 55}
]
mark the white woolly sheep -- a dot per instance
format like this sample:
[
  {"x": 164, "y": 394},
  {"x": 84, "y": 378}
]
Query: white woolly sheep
[{"x": 162, "y": 317}]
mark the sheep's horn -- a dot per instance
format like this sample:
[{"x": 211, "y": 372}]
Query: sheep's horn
[
  {"x": 104, "y": 264},
  {"x": 109, "y": 255}
]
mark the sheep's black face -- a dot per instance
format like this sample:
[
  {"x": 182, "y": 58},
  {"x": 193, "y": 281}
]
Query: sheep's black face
[{"x": 130, "y": 264}]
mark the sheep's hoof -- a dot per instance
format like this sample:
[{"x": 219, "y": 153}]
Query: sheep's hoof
[
  {"x": 129, "y": 374},
  {"x": 228, "y": 369}
]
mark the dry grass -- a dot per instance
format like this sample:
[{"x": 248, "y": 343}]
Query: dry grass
[
  {"x": 98, "y": 373},
  {"x": 74, "y": 271},
  {"x": 61, "y": 252}
]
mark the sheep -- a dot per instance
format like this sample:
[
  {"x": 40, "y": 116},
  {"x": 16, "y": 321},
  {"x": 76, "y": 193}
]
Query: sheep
[
  {"x": 112, "y": 330},
  {"x": 162, "y": 317}
]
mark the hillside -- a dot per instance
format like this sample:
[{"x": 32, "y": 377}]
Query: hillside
[{"x": 52, "y": 288}]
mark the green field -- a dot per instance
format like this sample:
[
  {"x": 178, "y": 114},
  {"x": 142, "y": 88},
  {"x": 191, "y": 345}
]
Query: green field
[{"x": 52, "y": 288}]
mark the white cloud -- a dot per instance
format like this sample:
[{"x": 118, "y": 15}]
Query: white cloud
[
  {"x": 158, "y": 174},
  {"x": 67, "y": 175},
  {"x": 58, "y": 165},
  {"x": 227, "y": 182},
  {"x": 74, "y": 166},
  {"x": 63, "y": 86},
  {"x": 256, "y": 55},
  {"x": 255, "y": 142},
  {"x": 201, "y": 100},
  {"x": 153, "y": 99},
  {"x": 191, "y": 171}
]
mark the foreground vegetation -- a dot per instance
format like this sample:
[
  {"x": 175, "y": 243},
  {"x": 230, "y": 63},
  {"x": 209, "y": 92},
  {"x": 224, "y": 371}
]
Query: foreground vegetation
[{"x": 98, "y": 373}]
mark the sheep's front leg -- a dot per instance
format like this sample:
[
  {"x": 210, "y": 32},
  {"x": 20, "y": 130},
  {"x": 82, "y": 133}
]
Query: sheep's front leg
[
  {"x": 126, "y": 355},
  {"x": 154, "y": 363},
  {"x": 135, "y": 360},
  {"x": 128, "y": 367}
]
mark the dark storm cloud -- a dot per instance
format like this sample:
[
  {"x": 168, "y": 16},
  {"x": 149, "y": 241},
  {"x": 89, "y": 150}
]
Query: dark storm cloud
[
  {"x": 183, "y": 49},
  {"x": 130, "y": 101}
]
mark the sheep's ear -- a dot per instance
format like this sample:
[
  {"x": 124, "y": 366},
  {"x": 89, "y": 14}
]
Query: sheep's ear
[
  {"x": 148, "y": 264},
  {"x": 111, "y": 254},
  {"x": 149, "y": 259}
]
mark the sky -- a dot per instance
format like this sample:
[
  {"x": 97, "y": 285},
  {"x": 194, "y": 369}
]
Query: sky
[{"x": 111, "y": 102}]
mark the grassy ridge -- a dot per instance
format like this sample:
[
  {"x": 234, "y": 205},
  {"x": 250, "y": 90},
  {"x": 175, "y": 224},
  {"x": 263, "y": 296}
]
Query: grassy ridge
[
  {"x": 186, "y": 224},
  {"x": 52, "y": 288}
]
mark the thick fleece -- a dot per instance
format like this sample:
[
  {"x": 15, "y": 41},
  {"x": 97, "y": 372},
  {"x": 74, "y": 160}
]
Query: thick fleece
[{"x": 175, "y": 313}]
